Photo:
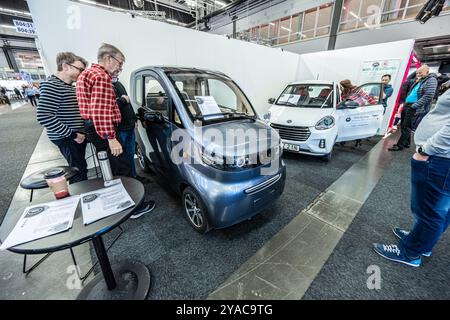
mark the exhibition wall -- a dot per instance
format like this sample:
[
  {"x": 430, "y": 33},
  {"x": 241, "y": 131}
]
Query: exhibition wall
[
  {"x": 260, "y": 71},
  {"x": 356, "y": 64}
]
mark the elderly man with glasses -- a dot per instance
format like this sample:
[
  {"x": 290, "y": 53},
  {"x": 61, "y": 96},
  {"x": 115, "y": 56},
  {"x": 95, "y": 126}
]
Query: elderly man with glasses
[
  {"x": 99, "y": 109},
  {"x": 101, "y": 113},
  {"x": 58, "y": 111}
]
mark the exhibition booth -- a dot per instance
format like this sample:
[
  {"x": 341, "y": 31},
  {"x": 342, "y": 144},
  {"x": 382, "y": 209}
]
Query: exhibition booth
[{"x": 189, "y": 265}]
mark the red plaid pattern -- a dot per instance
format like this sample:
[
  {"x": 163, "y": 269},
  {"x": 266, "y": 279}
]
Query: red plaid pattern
[
  {"x": 97, "y": 100},
  {"x": 362, "y": 98}
]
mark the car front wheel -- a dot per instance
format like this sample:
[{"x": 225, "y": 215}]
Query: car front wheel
[{"x": 195, "y": 211}]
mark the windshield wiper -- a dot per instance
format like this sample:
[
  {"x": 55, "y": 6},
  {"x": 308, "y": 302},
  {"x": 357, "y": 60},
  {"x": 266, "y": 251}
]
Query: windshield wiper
[
  {"x": 230, "y": 114},
  {"x": 243, "y": 115},
  {"x": 287, "y": 104}
]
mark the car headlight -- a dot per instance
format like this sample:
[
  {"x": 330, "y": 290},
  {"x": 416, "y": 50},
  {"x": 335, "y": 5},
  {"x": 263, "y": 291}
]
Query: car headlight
[
  {"x": 325, "y": 123},
  {"x": 267, "y": 116}
]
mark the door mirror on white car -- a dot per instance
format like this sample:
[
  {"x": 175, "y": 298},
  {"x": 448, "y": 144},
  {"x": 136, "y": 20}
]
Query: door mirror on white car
[{"x": 271, "y": 100}]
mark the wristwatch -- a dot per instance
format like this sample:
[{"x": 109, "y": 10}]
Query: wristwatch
[{"x": 422, "y": 152}]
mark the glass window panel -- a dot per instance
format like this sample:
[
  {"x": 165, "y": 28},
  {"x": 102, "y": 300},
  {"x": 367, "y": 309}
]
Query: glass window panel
[
  {"x": 285, "y": 26},
  {"x": 325, "y": 13},
  {"x": 393, "y": 10},
  {"x": 413, "y": 9},
  {"x": 349, "y": 25},
  {"x": 296, "y": 27},
  {"x": 310, "y": 19},
  {"x": 306, "y": 35},
  {"x": 283, "y": 40},
  {"x": 370, "y": 7},
  {"x": 274, "y": 28},
  {"x": 349, "y": 10},
  {"x": 264, "y": 31},
  {"x": 322, "y": 31}
]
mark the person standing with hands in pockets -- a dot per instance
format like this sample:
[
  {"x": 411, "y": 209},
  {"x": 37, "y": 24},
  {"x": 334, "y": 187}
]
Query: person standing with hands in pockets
[{"x": 99, "y": 109}]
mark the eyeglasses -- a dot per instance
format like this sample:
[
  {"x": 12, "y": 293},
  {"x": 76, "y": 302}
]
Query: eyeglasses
[
  {"x": 78, "y": 68},
  {"x": 120, "y": 62}
]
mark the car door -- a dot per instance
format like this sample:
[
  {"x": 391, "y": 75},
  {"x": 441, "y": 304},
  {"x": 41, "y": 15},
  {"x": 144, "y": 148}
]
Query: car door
[
  {"x": 158, "y": 129},
  {"x": 361, "y": 115}
]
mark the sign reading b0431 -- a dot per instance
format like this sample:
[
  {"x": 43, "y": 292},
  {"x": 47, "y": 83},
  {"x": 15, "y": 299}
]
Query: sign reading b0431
[{"x": 24, "y": 27}]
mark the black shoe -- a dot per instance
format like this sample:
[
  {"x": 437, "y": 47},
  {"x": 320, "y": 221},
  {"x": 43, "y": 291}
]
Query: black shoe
[
  {"x": 145, "y": 208},
  {"x": 407, "y": 147},
  {"x": 395, "y": 148}
]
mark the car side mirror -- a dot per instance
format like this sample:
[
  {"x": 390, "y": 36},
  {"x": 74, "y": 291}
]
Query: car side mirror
[{"x": 271, "y": 101}]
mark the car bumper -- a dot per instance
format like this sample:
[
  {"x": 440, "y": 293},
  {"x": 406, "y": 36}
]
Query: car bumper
[
  {"x": 319, "y": 143},
  {"x": 229, "y": 203}
]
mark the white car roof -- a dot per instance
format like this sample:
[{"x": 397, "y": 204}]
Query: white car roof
[{"x": 313, "y": 82}]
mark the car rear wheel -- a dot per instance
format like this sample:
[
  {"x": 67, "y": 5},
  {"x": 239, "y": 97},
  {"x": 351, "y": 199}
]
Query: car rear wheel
[
  {"x": 195, "y": 211},
  {"x": 143, "y": 162}
]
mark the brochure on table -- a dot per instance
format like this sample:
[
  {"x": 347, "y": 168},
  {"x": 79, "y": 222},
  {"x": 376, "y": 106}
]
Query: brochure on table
[
  {"x": 105, "y": 202},
  {"x": 42, "y": 220}
]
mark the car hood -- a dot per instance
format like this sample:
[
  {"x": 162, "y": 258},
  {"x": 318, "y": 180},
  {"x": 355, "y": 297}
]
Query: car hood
[
  {"x": 236, "y": 136},
  {"x": 298, "y": 117}
]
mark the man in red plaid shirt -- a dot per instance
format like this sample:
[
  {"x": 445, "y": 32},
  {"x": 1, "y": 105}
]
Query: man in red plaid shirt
[{"x": 98, "y": 107}]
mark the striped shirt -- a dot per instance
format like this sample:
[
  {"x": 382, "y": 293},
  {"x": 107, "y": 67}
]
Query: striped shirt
[{"x": 58, "y": 110}]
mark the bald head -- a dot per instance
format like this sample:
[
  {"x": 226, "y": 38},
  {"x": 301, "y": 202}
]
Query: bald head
[{"x": 423, "y": 71}]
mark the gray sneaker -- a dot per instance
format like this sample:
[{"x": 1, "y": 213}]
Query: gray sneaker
[{"x": 401, "y": 233}]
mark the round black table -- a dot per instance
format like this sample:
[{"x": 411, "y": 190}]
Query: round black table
[{"x": 129, "y": 280}]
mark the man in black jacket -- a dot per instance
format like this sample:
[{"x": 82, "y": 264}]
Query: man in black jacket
[
  {"x": 127, "y": 137},
  {"x": 127, "y": 125},
  {"x": 416, "y": 106}
]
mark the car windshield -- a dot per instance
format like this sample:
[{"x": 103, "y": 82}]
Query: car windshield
[
  {"x": 307, "y": 96},
  {"x": 211, "y": 97}
]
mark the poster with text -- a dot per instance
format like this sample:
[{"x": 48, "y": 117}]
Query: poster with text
[{"x": 372, "y": 71}]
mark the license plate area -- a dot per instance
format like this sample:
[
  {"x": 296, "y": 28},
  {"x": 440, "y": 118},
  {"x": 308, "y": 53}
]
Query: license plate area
[{"x": 291, "y": 147}]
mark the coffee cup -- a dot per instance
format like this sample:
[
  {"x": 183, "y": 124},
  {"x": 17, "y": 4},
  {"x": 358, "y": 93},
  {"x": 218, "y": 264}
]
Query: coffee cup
[{"x": 57, "y": 182}]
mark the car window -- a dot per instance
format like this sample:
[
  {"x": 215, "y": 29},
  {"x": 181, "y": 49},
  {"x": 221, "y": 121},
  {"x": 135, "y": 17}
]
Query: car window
[
  {"x": 155, "y": 96},
  {"x": 366, "y": 95},
  {"x": 307, "y": 96}
]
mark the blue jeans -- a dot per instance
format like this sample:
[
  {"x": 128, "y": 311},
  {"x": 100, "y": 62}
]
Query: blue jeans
[
  {"x": 430, "y": 204},
  {"x": 128, "y": 140}
]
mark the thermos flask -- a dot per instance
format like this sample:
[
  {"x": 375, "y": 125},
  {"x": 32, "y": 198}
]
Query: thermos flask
[{"x": 105, "y": 166}]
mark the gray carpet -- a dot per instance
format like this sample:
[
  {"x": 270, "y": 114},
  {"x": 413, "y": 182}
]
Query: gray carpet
[
  {"x": 19, "y": 133},
  {"x": 187, "y": 265},
  {"x": 344, "y": 274}
]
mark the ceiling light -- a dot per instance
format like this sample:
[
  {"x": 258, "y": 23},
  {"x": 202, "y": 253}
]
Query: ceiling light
[
  {"x": 15, "y": 11},
  {"x": 354, "y": 15},
  {"x": 7, "y": 26},
  {"x": 220, "y": 3},
  {"x": 287, "y": 29}
]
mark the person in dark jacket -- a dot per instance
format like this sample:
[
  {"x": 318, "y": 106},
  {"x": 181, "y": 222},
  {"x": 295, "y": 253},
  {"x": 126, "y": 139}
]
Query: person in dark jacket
[
  {"x": 127, "y": 125},
  {"x": 416, "y": 106},
  {"x": 127, "y": 137}
]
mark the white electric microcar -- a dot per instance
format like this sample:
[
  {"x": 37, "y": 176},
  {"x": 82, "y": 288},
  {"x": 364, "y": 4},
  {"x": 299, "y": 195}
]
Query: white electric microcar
[{"x": 311, "y": 117}]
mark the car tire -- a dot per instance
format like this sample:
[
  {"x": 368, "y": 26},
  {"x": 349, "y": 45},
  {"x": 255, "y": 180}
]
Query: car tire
[
  {"x": 195, "y": 211},
  {"x": 143, "y": 161}
]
